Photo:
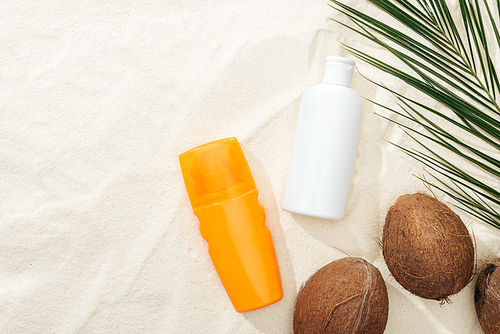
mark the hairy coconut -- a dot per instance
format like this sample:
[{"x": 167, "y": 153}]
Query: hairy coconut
[
  {"x": 346, "y": 296},
  {"x": 487, "y": 297},
  {"x": 427, "y": 247}
]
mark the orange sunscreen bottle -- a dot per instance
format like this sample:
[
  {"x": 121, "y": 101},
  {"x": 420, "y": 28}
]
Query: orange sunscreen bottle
[{"x": 223, "y": 195}]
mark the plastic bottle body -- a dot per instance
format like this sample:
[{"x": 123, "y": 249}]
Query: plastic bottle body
[
  {"x": 324, "y": 152},
  {"x": 242, "y": 251}
]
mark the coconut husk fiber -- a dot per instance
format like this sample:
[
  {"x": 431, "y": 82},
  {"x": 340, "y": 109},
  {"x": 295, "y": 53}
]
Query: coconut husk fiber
[
  {"x": 487, "y": 297},
  {"x": 346, "y": 296},
  {"x": 427, "y": 247}
]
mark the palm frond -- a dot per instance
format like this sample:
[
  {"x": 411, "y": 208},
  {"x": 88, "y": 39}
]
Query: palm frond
[{"x": 449, "y": 60}]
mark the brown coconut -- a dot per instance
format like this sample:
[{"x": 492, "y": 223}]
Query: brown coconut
[
  {"x": 487, "y": 297},
  {"x": 427, "y": 247},
  {"x": 346, "y": 296}
]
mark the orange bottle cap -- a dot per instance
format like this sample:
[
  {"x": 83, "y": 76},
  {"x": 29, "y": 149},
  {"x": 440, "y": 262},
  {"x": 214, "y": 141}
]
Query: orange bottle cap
[{"x": 216, "y": 172}]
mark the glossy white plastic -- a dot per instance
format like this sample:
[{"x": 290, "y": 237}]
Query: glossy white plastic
[{"x": 325, "y": 145}]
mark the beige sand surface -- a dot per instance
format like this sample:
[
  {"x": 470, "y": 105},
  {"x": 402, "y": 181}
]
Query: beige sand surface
[{"x": 98, "y": 99}]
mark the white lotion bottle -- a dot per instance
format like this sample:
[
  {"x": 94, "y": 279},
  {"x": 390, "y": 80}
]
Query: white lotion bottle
[{"x": 325, "y": 145}]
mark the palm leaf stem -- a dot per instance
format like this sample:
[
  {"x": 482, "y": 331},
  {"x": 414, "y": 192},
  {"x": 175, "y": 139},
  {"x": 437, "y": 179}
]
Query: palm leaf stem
[
  {"x": 468, "y": 129},
  {"x": 440, "y": 137}
]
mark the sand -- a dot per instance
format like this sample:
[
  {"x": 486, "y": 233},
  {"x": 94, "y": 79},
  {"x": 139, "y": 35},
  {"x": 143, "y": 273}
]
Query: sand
[{"x": 98, "y": 99}]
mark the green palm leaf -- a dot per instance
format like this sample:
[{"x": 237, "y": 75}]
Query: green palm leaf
[{"x": 449, "y": 59}]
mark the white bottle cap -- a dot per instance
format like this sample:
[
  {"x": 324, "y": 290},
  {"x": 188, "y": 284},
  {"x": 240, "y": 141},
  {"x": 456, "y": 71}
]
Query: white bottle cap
[{"x": 339, "y": 70}]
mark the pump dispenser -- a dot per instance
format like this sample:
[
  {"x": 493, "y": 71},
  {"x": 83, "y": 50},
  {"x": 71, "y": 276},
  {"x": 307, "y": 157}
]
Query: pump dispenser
[
  {"x": 223, "y": 195},
  {"x": 324, "y": 149}
]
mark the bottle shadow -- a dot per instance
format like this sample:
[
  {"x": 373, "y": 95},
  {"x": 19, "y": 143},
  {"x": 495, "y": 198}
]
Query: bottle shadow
[
  {"x": 359, "y": 232},
  {"x": 273, "y": 318}
]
